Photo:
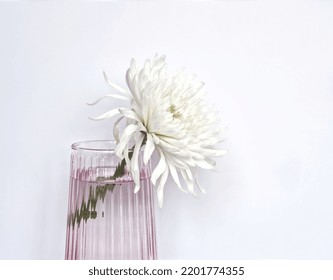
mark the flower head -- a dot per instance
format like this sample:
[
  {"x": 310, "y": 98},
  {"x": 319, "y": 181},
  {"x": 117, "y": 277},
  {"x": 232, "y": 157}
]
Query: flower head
[{"x": 168, "y": 115}]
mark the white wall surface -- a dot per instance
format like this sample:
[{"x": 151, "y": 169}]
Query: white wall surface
[{"x": 268, "y": 67}]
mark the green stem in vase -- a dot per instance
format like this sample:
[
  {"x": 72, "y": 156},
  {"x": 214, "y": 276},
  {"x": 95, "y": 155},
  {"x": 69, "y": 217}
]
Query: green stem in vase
[
  {"x": 87, "y": 209},
  {"x": 120, "y": 169}
]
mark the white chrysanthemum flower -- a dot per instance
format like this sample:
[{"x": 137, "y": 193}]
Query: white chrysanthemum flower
[{"x": 169, "y": 115}]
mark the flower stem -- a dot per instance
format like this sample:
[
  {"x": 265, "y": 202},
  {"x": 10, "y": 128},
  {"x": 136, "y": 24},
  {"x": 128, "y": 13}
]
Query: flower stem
[
  {"x": 120, "y": 169},
  {"x": 88, "y": 209}
]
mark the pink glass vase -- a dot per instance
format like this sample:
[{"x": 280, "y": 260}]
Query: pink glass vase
[{"x": 106, "y": 219}]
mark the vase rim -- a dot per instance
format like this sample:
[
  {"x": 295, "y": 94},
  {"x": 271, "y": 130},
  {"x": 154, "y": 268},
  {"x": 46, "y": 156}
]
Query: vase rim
[{"x": 95, "y": 145}]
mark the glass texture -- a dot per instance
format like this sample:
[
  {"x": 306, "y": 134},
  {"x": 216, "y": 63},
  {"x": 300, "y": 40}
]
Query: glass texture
[{"x": 106, "y": 219}]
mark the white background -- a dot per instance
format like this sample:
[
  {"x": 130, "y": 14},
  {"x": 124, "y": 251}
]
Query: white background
[{"x": 267, "y": 67}]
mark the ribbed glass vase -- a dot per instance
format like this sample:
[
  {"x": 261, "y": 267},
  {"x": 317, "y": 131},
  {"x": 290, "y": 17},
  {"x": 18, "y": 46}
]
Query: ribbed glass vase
[{"x": 106, "y": 219}]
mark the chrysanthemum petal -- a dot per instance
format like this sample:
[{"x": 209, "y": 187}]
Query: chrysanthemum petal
[
  {"x": 134, "y": 66},
  {"x": 160, "y": 188},
  {"x": 205, "y": 164},
  {"x": 116, "y": 129},
  {"x": 198, "y": 184},
  {"x": 175, "y": 177},
  {"x": 124, "y": 138},
  {"x": 160, "y": 168},
  {"x": 155, "y": 138},
  {"x": 116, "y": 87},
  {"x": 127, "y": 159},
  {"x": 117, "y": 96},
  {"x": 107, "y": 115},
  {"x": 149, "y": 149},
  {"x": 130, "y": 114},
  {"x": 186, "y": 173},
  {"x": 135, "y": 164}
]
